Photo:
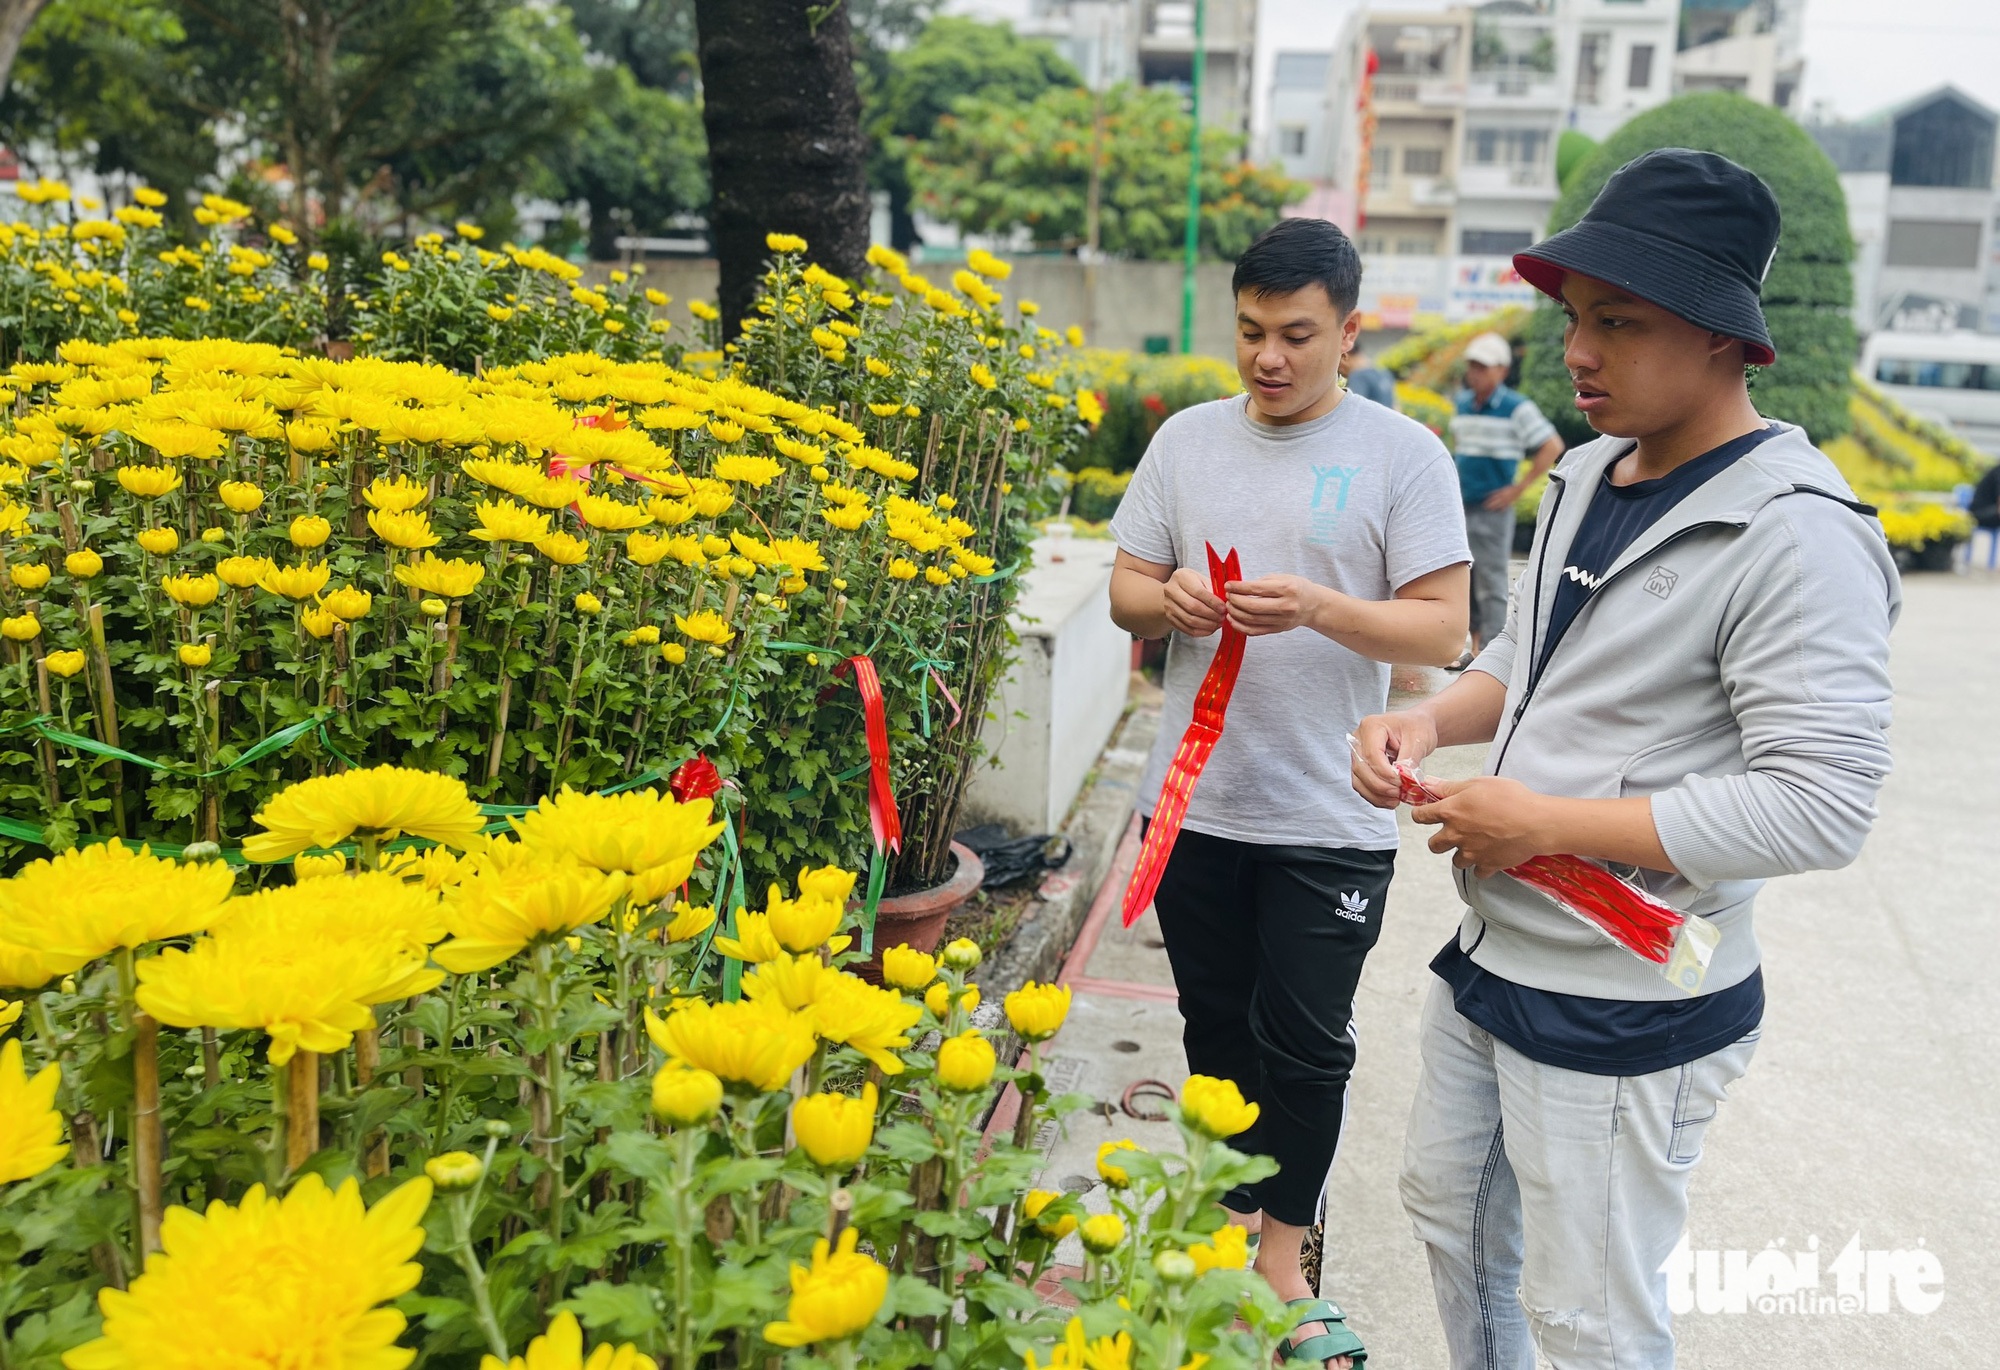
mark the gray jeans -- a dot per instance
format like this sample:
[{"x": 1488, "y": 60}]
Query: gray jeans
[
  {"x": 1490, "y": 533},
  {"x": 1548, "y": 1199}
]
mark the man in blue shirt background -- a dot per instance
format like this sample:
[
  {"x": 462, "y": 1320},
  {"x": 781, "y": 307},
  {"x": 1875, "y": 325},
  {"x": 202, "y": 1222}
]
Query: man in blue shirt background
[{"x": 1495, "y": 428}]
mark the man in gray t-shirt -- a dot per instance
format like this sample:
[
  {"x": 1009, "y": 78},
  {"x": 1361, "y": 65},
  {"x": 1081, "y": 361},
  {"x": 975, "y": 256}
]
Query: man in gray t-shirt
[{"x": 1347, "y": 520}]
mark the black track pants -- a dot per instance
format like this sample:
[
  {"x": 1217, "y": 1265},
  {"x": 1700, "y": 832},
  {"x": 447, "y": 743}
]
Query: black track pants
[{"x": 1267, "y": 944}]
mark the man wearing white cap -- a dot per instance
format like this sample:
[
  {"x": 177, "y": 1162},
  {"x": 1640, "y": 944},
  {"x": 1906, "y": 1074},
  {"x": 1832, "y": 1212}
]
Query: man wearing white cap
[{"x": 1496, "y": 427}]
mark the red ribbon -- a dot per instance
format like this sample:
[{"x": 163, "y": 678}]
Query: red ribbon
[
  {"x": 883, "y": 819},
  {"x": 1211, "y": 702},
  {"x": 695, "y": 778}
]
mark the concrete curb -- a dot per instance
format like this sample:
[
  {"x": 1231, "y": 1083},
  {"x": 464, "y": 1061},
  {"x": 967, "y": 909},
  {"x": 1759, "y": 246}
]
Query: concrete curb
[{"x": 1096, "y": 824}]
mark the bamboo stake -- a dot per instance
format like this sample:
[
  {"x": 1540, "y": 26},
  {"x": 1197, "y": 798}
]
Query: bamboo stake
[
  {"x": 107, "y": 714},
  {"x": 47, "y": 748},
  {"x": 302, "y": 1119},
  {"x": 367, "y": 1061},
  {"x": 146, "y": 1130}
]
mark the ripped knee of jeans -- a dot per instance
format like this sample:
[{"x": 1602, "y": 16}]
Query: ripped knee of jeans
[{"x": 1560, "y": 1326}]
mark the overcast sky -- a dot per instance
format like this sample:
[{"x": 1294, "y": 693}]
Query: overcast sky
[{"x": 1861, "y": 55}]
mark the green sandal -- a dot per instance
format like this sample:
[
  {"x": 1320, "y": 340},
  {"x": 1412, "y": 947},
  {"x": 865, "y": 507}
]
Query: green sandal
[{"x": 1337, "y": 1340}]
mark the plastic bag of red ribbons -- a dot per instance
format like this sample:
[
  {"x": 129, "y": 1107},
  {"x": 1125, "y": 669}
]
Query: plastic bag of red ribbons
[{"x": 1680, "y": 944}]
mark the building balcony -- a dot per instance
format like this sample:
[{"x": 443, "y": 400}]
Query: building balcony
[
  {"x": 1514, "y": 90},
  {"x": 1431, "y": 92},
  {"x": 1505, "y": 180}
]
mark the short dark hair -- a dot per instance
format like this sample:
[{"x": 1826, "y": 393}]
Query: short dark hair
[{"x": 1295, "y": 253}]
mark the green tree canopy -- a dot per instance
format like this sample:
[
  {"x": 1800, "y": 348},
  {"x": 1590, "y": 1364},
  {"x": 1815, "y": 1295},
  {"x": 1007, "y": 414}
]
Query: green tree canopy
[
  {"x": 997, "y": 165},
  {"x": 637, "y": 160},
  {"x": 1809, "y": 288}
]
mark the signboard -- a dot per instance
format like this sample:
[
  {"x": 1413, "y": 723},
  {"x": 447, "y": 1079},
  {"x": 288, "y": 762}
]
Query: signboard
[{"x": 1484, "y": 285}]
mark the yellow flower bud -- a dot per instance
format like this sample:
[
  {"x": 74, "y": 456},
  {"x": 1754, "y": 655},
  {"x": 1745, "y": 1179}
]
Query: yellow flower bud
[
  {"x": 1111, "y": 1174},
  {"x": 31, "y": 575},
  {"x": 1102, "y": 1233},
  {"x": 965, "y": 1062},
  {"x": 310, "y": 530},
  {"x": 83, "y": 564},
  {"x": 65, "y": 664},
  {"x": 241, "y": 496},
  {"x": 195, "y": 654},
  {"x": 21, "y": 628},
  {"x": 686, "y": 1097},
  {"x": 587, "y": 603},
  {"x": 454, "y": 1170},
  {"x": 158, "y": 541},
  {"x": 938, "y": 999},
  {"x": 432, "y": 608},
  {"x": 214, "y": 534},
  {"x": 963, "y": 954},
  {"x": 1036, "y": 1012},
  {"x": 673, "y": 653},
  {"x": 908, "y": 969},
  {"x": 835, "y": 1129},
  {"x": 1215, "y": 1108}
]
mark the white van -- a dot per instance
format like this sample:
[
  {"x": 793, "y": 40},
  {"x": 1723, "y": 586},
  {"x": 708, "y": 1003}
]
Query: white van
[{"x": 1950, "y": 378}]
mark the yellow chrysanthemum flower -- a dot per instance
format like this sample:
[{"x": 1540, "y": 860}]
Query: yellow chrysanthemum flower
[
  {"x": 561, "y": 1347},
  {"x": 240, "y": 496},
  {"x": 757, "y": 1043},
  {"x": 309, "y": 530},
  {"x": 753, "y": 942},
  {"x": 347, "y": 603},
  {"x": 385, "y": 802},
  {"x": 1215, "y": 1108},
  {"x": 901, "y": 568},
  {"x": 159, "y": 542},
  {"x": 196, "y": 592},
  {"x": 433, "y": 575},
  {"x": 149, "y": 482},
  {"x": 645, "y": 834},
  {"x": 1227, "y": 1249},
  {"x": 837, "y": 1297},
  {"x": 908, "y": 969},
  {"x": 309, "y": 867},
  {"x": 302, "y": 962},
  {"x": 835, "y": 1129},
  {"x": 756, "y": 472},
  {"x": 612, "y": 515},
  {"x": 295, "y": 582},
  {"x": 395, "y": 494},
  {"x": 565, "y": 549},
  {"x": 683, "y": 1097},
  {"x": 240, "y": 573},
  {"x": 90, "y": 901},
  {"x": 84, "y": 564},
  {"x": 505, "y": 521},
  {"x": 297, "y": 1281},
  {"x": 515, "y": 899},
  {"x": 869, "y": 1018},
  {"x": 65, "y": 663},
  {"x": 408, "y": 529},
  {"x": 794, "y": 981},
  {"x": 1037, "y": 1012},
  {"x": 30, "y": 1127},
  {"x": 705, "y": 625}
]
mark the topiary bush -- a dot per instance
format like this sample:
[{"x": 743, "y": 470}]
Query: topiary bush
[{"x": 1807, "y": 294}]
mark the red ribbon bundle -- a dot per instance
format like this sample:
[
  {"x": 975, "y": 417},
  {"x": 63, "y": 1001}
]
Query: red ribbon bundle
[
  {"x": 1621, "y": 911},
  {"x": 1211, "y": 702},
  {"x": 883, "y": 819}
]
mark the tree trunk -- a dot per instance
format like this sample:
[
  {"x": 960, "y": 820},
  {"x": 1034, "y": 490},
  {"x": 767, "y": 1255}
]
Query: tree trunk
[
  {"x": 785, "y": 148},
  {"x": 18, "y": 16}
]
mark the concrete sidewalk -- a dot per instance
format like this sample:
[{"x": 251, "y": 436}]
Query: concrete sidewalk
[{"x": 1872, "y": 1109}]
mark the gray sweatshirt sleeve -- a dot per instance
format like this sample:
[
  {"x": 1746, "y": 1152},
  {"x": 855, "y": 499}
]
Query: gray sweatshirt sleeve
[{"x": 1804, "y": 653}]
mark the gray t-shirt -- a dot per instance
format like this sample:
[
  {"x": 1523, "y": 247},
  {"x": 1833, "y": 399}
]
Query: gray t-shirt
[{"x": 1363, "y": 501}]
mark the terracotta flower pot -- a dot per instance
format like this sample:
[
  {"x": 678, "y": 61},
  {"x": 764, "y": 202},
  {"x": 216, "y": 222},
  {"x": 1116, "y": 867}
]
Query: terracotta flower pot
[{"x": 917, "y": 920}]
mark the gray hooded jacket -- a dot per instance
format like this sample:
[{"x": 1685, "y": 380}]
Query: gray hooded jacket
[{"x": 1733, "y": 664}]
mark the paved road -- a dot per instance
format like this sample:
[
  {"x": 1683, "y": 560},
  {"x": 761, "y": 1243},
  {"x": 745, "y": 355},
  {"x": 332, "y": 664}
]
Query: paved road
[{"x": 1873, "y": 1107}]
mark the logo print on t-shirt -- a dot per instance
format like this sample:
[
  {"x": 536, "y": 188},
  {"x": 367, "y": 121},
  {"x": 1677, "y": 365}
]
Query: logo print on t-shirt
[
  {"x": 1661, "y": 582},
  {"x": 1327, "y": 506},
  {"x": 1352, "y": 906}
]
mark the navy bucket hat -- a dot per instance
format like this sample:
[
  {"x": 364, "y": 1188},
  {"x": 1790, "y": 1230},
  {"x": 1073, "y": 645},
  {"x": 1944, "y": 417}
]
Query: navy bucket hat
[{"x": 1691, "y": 232}]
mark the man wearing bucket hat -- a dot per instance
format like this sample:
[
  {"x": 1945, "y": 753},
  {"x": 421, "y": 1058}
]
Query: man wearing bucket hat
[
  {"x": 1692, "y": 686},
  {"x": 1495, "y": 427}
]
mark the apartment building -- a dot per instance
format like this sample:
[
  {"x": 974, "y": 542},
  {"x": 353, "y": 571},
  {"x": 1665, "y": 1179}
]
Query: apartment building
[
  {"x": 1296, "y": 130},
  {"x": 1752, "y": 47},
  {"x": 1150, "y": 42},
  {"x": 1922, "y": 203}
]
